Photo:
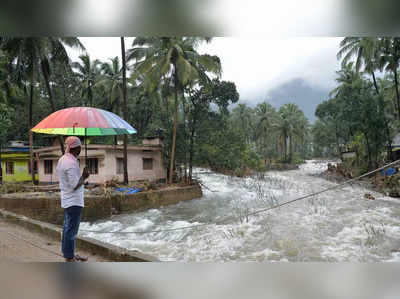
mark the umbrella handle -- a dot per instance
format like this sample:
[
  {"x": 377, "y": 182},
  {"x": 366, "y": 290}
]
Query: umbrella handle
[{"x": 86, "y": 159}]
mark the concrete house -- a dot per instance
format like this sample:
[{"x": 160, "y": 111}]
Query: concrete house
[
  {"x": 15, "y": 163},
  {"x": 105, "y": 162},
  {"x": 395, "y": 154}
]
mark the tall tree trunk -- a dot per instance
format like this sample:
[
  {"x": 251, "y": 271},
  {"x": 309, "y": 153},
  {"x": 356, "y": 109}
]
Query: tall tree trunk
[
  {"x": 90, "y": 95},
  {"x": 65, "y": 95},
  {"x": 51, "y": 100},
  {"x": 375, "y": 84},
  {"x": 387, "y": 129},
  {"x": 369, "y": 152},
  {"x": 47, "y": 82},
  {"x": 185, "y": 138},
  {"x": 191, "y": 148},
  {"x": 1, "y": 168},
  {"x": 171, "y": 165},
  {"x": 397, "y": 92},
  {"x": 31, "y": 133},
  {"x": 285, "y": 146},
  {"x": 124, "y": 109}
]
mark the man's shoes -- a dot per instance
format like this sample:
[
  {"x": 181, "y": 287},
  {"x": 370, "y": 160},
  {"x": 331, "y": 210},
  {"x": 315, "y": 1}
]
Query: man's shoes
[
  {"x": 71, "y": 260},
  {"x": 81, "y": 258}
]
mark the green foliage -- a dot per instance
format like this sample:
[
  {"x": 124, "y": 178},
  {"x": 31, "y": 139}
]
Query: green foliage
[
  {"x": 168, "y": 76},
  {"x": 5, "y": 122},
  {"x": 358, "y": 117}
]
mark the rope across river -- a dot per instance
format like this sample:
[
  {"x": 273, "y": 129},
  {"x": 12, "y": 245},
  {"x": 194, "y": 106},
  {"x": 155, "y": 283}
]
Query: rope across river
[{"x": 248, "y": 214}]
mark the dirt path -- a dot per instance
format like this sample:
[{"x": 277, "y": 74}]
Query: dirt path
[{"x": 17, "y": 244}]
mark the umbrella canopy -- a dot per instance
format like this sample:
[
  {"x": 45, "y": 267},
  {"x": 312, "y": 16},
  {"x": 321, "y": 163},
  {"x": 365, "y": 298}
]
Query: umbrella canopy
[{"x": 83, "y": 121}]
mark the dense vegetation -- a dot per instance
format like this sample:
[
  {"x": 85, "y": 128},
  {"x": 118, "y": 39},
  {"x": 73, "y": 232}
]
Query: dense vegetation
[
  {"x": 363, "y": 112},
  {"x": 173, "y": 90}
]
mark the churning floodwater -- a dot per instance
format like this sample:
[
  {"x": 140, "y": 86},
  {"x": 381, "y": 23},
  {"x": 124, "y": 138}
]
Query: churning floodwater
[{"x": 339, "y": 225}]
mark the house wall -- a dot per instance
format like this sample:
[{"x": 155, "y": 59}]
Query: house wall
[
  {"x": 152, "y": 141},
  {"x": 108, "y": 166},
  {"x": 135, "y": 165},
  {"x": 48, "y": 178},
  {"x": 21, "y": 171}
]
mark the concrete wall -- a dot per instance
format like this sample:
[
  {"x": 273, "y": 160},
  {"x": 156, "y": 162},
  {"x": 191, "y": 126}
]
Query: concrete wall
[
  {"x": 48, "y": 208},
  {"x": 154, "y": 199}
]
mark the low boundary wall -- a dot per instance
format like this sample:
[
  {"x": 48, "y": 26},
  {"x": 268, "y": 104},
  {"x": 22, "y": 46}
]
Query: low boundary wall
[{"x": 48, "y": 208}]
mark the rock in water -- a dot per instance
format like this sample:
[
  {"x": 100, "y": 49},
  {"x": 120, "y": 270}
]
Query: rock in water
[{"x": 369, "y": 196}]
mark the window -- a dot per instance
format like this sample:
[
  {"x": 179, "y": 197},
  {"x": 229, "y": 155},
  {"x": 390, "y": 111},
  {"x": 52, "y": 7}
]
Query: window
[
  {"x": 93, "y": 165},
  {"x": 48, "y": 166},
  {"x": 120, "y": 166},
  {"x": 147, "y": 164},
  {"x": 35, "y": 169},
  {"x": 9, "y": 167}
]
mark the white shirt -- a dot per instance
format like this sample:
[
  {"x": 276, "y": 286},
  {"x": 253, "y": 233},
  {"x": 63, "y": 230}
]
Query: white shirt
[{"x": 68, "y": 172}]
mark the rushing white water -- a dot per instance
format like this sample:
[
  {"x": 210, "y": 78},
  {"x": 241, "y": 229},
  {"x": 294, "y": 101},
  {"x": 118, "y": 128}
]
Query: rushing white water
[{"x": 339, "y": 225}]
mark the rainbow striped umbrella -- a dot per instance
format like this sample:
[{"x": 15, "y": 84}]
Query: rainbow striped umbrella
[{"x": 83, "y": 121}]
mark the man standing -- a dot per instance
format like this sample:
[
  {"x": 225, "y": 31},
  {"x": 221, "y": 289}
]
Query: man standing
[{"x": 72, "y": 192}]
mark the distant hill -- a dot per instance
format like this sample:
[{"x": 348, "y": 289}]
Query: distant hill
[{"x": 296, "y": 91}]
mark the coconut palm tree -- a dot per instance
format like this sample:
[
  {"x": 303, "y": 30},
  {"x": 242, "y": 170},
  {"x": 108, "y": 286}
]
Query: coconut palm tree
[
  {"x": 34, "y": 56},
  {"x": 37, "y": 54},
  {"x": 88, "y": 72},
  {"x": 244, "y": 115},
  {"x": 390, "y": 60},
  {"x": 366, "y": 51},
  {"x": 266, "y": 123},
  {"x": 292, "y": 124},
  {"x": 111, "y": 79},
  {"x": 158, "y": 59}
]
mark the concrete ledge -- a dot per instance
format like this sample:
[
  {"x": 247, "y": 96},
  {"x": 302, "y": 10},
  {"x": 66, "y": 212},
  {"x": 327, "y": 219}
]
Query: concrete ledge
[
  {"x": 48, "y": 208},
  {"x": 108, "y": 251}
]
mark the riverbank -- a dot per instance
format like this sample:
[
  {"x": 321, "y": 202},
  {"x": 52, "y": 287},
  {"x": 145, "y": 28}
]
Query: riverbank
[{"x": 386, "y": 185}]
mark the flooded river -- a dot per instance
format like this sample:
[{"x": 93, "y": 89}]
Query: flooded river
[{"x": 339, "y": 225}]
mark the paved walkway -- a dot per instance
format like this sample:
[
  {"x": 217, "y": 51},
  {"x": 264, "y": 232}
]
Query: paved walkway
[{"x": 17, "y": 244}]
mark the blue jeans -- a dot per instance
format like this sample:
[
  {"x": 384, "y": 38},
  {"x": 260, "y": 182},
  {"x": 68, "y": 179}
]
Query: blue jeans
[{"x": 72, "y": 218}]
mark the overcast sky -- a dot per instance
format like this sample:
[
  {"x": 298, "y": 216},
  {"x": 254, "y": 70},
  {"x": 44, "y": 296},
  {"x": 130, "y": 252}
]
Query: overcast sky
[{"x": 255, "y": 65}]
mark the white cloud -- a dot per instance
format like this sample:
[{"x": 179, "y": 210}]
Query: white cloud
[{"x": 258, "y": 65}]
